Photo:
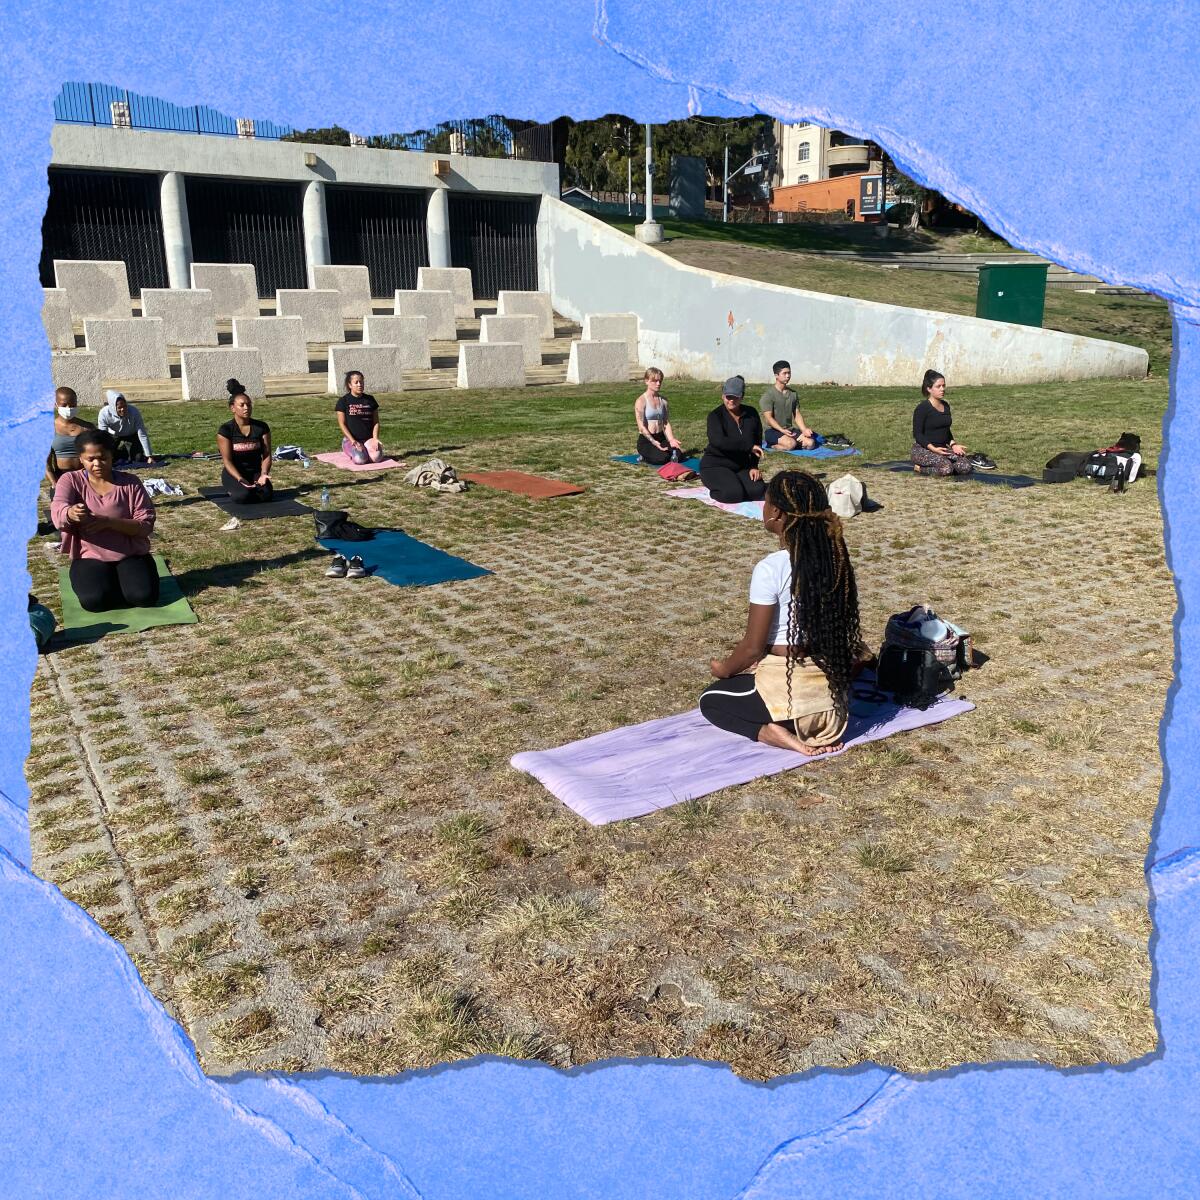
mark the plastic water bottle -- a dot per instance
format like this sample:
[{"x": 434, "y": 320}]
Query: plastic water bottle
[{"x": 325, "y": 497}]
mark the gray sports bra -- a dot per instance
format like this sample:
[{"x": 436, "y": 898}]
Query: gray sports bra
[{"x": 654, "y": 417}]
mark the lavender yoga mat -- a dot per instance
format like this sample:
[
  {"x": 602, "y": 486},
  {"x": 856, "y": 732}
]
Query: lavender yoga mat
[
  {"x": 639, "y": 769},
  {"x": 747, "y": 508}
]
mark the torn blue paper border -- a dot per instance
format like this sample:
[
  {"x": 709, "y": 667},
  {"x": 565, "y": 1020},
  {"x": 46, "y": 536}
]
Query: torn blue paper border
[{"x": 1013, "y": 114}]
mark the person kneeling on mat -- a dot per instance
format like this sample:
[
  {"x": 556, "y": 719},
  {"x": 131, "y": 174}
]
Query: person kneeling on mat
[
  {"x": 787, "y": 682},
  {"x": 786, "y": 429},
  {"x": 934, "y": 451},
  {"x": 729, "y": 468},
  {"x": 124, "y": 421},
  {"x": 245, "y": 446},
  {"x": 358, "y": 418},
  {"x": 106, "y": 519}
]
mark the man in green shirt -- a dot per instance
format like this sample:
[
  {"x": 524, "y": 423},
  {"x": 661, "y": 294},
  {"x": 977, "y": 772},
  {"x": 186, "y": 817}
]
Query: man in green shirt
[{"x": 783, "y": 426}]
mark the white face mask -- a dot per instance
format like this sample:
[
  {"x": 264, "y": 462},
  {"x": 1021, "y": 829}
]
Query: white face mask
[{"x": 67, "y": 414}]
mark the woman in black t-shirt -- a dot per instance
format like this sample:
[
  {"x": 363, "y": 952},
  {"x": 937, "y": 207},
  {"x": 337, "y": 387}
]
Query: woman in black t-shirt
[
  {"x": 934, "y": 451},
  {"x": 729, "y": 468},
  {"x": 245, "y": 446},
  {"x": 358, "y": 418}
]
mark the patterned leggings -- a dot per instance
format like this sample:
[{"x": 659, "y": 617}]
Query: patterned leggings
[{"x": 940, "y": 464}]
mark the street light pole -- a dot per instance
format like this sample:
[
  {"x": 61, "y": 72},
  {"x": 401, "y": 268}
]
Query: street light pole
[
  {"x": 649, "y": 230},
  {"x": 629, "y": 168},
  {"x": 725, "y": 185}
]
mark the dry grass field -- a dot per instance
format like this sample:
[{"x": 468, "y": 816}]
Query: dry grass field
[{"x": 299, "y": 817}]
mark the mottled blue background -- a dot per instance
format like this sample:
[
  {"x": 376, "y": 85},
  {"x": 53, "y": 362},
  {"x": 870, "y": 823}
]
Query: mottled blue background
[{"x": 1072, "y": 129}]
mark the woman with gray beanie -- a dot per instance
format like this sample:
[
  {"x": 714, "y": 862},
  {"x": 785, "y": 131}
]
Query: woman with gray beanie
[{"x": 729, "y": 468}]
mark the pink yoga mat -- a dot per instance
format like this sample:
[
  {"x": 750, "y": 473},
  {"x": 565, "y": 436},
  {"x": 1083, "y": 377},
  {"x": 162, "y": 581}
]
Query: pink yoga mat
[
  {"x": 747, "y": 508},
  {"x": 337, "y": 458},
  {"x": 639, "y": 769}
]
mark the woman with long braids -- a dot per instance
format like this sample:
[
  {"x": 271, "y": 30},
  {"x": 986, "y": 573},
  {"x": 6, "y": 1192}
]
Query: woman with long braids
[{"x": 787, "y": 682}]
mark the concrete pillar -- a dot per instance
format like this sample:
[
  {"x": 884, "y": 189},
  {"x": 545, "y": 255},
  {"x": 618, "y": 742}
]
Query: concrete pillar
[
  {"x": 177, "y": 233},
  {"x": 437, "y": 228},
  {"x": 316, "y": 228}
]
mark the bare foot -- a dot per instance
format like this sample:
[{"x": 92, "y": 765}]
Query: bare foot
[{"x": 784, "y": 739}]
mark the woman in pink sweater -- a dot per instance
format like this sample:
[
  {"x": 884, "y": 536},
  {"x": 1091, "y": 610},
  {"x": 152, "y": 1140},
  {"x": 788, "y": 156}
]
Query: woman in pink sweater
[{"x": 106, "y": 519}]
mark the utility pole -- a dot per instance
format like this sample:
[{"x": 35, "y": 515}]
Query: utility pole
[
  {"x": 725, "y": 185},
  {"x": 629, "y": 168},
  {"x": 649, "y": 230}
]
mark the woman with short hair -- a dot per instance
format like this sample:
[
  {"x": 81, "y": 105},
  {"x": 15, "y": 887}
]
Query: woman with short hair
[{"x": 730, "y": 465}]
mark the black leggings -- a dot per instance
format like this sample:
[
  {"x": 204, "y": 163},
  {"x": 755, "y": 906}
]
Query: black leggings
[
  {"x": 651, "y": 453},
  {"x": 239, "y": 493},
  {"x": 129, "y": 449},
  {"x": 730, "y": 486},
  {"x": 734, "y": 704},
  {"x": 127, "y": 583}
]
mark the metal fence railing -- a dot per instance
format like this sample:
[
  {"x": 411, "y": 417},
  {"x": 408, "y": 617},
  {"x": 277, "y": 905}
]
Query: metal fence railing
[
  {"x": 104, "y": 104},
  {"x": 484, "y": 137}
]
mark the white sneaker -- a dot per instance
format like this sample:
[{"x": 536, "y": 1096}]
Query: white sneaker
[{"x": 232, "y": 523}]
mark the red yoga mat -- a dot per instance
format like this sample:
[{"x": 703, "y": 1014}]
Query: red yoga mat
[{"x": 524, "y": 485}]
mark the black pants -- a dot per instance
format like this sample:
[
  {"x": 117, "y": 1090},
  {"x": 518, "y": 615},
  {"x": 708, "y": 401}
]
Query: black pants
[
  {"x": 651, "y": 453},
  {"x": 734, "y": 704},
  {"x": 730, "y": 486},
  {"x": 239, "y": 493},
  {"x": 127, "y": 583},
  {"x": 129, "y": 449}
]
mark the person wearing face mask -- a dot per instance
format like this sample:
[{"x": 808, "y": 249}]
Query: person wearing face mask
[
  {"x": 106, "y": 519},
  {"x": 124, "y": 422},
  {"x": 67, "y": 427}
]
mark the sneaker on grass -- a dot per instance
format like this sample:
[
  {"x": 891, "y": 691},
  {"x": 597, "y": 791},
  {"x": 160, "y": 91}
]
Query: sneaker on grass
[
  {"x": 337, "y": 568},
  {"x": 355, "y": 568}
]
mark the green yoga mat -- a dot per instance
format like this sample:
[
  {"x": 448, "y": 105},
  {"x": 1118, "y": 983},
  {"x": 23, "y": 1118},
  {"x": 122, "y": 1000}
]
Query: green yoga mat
[{"x": 79, "y": 625}]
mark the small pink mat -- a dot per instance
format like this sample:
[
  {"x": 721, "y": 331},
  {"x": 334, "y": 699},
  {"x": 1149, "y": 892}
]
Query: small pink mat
[
  {"x": 338, "y": 458},
  {"x": 746, "y": 508}
]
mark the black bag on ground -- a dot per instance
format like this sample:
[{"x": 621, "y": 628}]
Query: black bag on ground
[
  {"x": 1064, "y": 467},
  {"x": 914, "y": 677},
  {"x": 1103, "y": 467},
  {"x": 331, "y": 523}
]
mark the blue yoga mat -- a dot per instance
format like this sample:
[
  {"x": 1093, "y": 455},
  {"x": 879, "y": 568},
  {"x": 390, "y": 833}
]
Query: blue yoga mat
[
  {"x": 817, "y": 452},
  {"x": 405, "y": 561},
  {"x": 692, "y": 464}
]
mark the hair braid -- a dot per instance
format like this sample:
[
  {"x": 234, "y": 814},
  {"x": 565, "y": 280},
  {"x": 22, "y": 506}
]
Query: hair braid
[{"x": 823, "y": 621}]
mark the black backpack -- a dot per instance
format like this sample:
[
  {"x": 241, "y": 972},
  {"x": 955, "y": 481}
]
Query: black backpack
[
  {"x": 915, "y": 677},
  {"x": 1064, "y": 467},
  {"x": 331, "y": 523}
]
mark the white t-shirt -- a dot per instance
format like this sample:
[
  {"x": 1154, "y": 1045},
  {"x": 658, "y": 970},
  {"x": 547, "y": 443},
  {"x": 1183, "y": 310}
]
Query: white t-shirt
[{"x": 771, "y": 583}]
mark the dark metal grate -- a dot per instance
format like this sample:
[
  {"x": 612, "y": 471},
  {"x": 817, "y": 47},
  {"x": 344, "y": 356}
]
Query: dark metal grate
[
  {"x": 381, "y": 229},
  {"x": 259, "y": 223},
  {"x": 497, "y": 239},
  {"x": 107, "y": 216}
]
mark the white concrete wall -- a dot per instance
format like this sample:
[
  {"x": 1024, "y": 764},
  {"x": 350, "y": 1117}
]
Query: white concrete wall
[
  {"x": 234, "y": 287},
  {"x": 353, "y": 284},
  {"x": 705, "y": 325},
  {"x": 56, "y": 319},
  {"x": 248, "y": 158}
]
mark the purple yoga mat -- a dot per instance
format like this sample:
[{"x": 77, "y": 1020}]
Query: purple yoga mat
[
  {"x": 747, "y": 508},
  {"x": 639, "y": 769}
]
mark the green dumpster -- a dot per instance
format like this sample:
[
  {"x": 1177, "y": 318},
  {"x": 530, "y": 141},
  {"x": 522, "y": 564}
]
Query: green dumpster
[{"x": 1013, "y": 292}]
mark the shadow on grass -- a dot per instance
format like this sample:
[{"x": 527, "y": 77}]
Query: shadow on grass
[{"x": 230, "y": 575}]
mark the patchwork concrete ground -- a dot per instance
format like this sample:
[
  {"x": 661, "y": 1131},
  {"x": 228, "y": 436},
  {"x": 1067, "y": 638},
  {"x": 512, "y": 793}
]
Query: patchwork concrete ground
[{"x": 299, "y": 817}]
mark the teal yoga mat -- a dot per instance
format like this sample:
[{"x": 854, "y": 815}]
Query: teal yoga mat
[
  {"x": 405, "y": 561},
  {"x": 692, "y": 464},
  {"x": 79, "y": 625}
]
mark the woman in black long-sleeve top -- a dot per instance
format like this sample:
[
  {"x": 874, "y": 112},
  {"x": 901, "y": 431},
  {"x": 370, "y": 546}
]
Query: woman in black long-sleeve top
[
  {"x": 934, "y": 451},
  {"x": 729, "y": 468}
]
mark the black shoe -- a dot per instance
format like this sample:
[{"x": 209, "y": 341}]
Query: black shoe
[{"x": 981, "y": 462}]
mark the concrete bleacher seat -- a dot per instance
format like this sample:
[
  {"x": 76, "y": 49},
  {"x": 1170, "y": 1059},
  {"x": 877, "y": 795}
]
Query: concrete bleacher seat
[
  {"x": 598, "y": 362},
  {"x": 234, "y": 288},
  {"x": 319, "y": 308},
  {"x": 280, "y": 343},
  {"x": 491, "y": 365},
  {"x": 526, "y": 330},
  {"x": 519, "y": 304},
  {"x": 436, "y": 307},
  {"x": 187, "y": 314},
  {"x": 95, "y": 288},
  {"x": 352, "y": 284},
  {"x": 456, "y": 280},
  {"x": 205, "y": 372},
  {"x": 130, "y": 348},
  {"x": 411, "y": 334},
  {"x": 382, "y": 367}
]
